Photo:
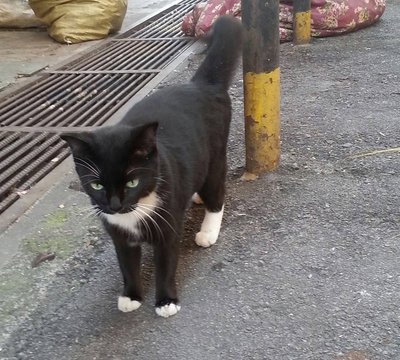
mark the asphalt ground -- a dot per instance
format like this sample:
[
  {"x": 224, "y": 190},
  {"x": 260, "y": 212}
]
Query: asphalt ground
[{"x": 306, "y": 265}]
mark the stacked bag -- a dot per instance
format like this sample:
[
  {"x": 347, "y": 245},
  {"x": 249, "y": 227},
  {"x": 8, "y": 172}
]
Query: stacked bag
[
  {"x": 74, "y": 21},
  {"x": 328, "y": 17}
]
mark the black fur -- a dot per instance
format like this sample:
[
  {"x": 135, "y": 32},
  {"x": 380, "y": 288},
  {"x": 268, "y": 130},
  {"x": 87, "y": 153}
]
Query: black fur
[{"x": 174, "y": 142}]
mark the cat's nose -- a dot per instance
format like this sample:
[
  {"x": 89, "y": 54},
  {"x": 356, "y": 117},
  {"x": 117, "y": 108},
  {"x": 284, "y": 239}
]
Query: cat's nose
[{"x": 115, "y": 204}]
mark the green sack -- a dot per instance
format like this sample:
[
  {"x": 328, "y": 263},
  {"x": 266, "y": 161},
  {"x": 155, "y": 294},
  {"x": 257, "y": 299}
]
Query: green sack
[{"x": 74, "y": 21}]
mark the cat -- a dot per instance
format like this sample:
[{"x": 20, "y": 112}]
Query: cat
[{"x": 141, "y": 173}]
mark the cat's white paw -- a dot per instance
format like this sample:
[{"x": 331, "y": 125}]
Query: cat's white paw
[
  {"x": 206, "y": 239},
  {"x": 210, "y": 227},
  {"x": 197, "y": 199},
  {"x": 167, "y": 310},
  {"x": 125, "y": 304}
]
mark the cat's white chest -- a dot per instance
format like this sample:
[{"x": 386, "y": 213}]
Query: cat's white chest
[
  {"x": 128, "y": 222},
  {"x": 131, "y": 221}
]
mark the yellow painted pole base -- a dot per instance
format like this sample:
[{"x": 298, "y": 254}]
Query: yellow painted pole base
[
  {"x": 248, "y": 176},
  {"x": 302, "y": 27},
  {"x": 261, "y": 110}
]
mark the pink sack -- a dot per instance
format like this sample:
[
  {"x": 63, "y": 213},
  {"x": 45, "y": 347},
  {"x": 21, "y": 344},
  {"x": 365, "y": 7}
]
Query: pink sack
[
  {"x": 328, "y": 17},
  {"x": 203, "y": 15}
]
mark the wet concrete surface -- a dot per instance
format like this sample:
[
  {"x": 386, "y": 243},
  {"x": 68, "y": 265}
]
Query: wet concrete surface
[{"x": 307, "y": 263}]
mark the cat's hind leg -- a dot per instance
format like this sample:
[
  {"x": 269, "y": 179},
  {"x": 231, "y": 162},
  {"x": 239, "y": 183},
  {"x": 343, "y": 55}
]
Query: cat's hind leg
[
  {"x": 212, "y": 193},
  {"x": 197, "y": 199},
  {"x": 210, "y": 228}
]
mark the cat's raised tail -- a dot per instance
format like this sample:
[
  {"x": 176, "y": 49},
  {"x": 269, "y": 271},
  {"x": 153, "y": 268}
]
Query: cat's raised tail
[{"x": 223, "y": 53}]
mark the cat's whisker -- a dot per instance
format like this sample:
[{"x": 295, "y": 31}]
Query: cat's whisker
[
  {"x": 88, "y": 208},
  {"x": 158, "y": 228},
  {"x": 137, "y": 168},
  {"x": 153, "y": 221},
  {"x": 159, "y": 215},
  {"x": 91, "y": 167},
  {"x": 94, "y": 177},
  {"x": 97, "y": 175},
  {"x": 144, "y": 216},
  {"x": 86, "y": 183},
  {"x": 164, "y": 194},
  {"x": 91, "y": 214},
  {"x": 163, "y": 209},
  {"x": 161, "y": 180},
  {"x": 91, "y": 211},
  {"x": 101, "y": 214},
  {"x": 88, "y": 216},
  {"x": 83, "y": 176},
  {"x": 144, "y": 222}
]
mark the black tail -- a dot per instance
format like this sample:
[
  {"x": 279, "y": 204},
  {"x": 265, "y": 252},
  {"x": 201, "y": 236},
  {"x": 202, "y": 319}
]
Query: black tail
[{"x": 223, "y": 53}]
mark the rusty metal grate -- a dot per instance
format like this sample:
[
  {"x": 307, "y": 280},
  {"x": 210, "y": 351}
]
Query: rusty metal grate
[
  {"x": 84, "y": 92},
  {"x": 25, "y": 159},
  {"x": 135, "y": 55},
  {"x": 73, "y": 99}
]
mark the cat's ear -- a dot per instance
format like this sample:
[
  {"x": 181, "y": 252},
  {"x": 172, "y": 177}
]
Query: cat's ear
[
  {"x": 146, "y": 140},
  {"x": 78, "y": 142}
]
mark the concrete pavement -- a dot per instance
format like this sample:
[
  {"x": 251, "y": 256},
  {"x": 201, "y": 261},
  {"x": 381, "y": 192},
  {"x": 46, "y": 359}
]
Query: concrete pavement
[{"x": 307, "y": 263}]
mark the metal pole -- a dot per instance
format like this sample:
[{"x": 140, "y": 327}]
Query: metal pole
[
  {"x": 261, "y": 83},
  {"x": 301, "y": 21}
]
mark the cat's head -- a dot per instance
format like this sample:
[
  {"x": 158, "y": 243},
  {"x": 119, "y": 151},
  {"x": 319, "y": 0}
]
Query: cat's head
[{"x": 117, "y": 165}]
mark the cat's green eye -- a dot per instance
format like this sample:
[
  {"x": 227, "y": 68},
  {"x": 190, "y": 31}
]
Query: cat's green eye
[
  {"x": 96, "y": 186},
  {"x": 132, "y": 184}
]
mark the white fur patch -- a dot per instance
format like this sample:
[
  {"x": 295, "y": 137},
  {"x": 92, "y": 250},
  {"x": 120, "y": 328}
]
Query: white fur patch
[
  {"x": 210, "y": 228},
  {"x": 197, "y": 199},
  {"x": 125, "y": 304},
  {"x": 167, "y": 310},
  {"x": 130, "y": 221}
]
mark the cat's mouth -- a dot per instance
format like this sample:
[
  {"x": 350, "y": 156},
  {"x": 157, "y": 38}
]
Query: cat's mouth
[
  {"x": 105, "y": 210},
  {"x": 119, "y": 211}
]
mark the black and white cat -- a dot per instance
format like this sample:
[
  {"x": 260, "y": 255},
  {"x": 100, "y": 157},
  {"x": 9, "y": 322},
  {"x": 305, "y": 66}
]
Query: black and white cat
[{"x": 142, "y": 173}]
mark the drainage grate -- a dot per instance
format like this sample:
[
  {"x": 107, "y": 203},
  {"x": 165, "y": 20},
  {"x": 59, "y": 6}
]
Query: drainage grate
[
  {"x": 73, "y": 99},
  {"x": 136, "y": 54},
  {"x": 84, "y": 92}
]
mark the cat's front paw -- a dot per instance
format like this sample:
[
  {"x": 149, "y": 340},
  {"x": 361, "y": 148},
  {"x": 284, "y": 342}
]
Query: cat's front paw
[
  {"x": 167, "y": 310},
  {"x": 206, "y": 238},
  {"x": 125, "y": 304}
]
